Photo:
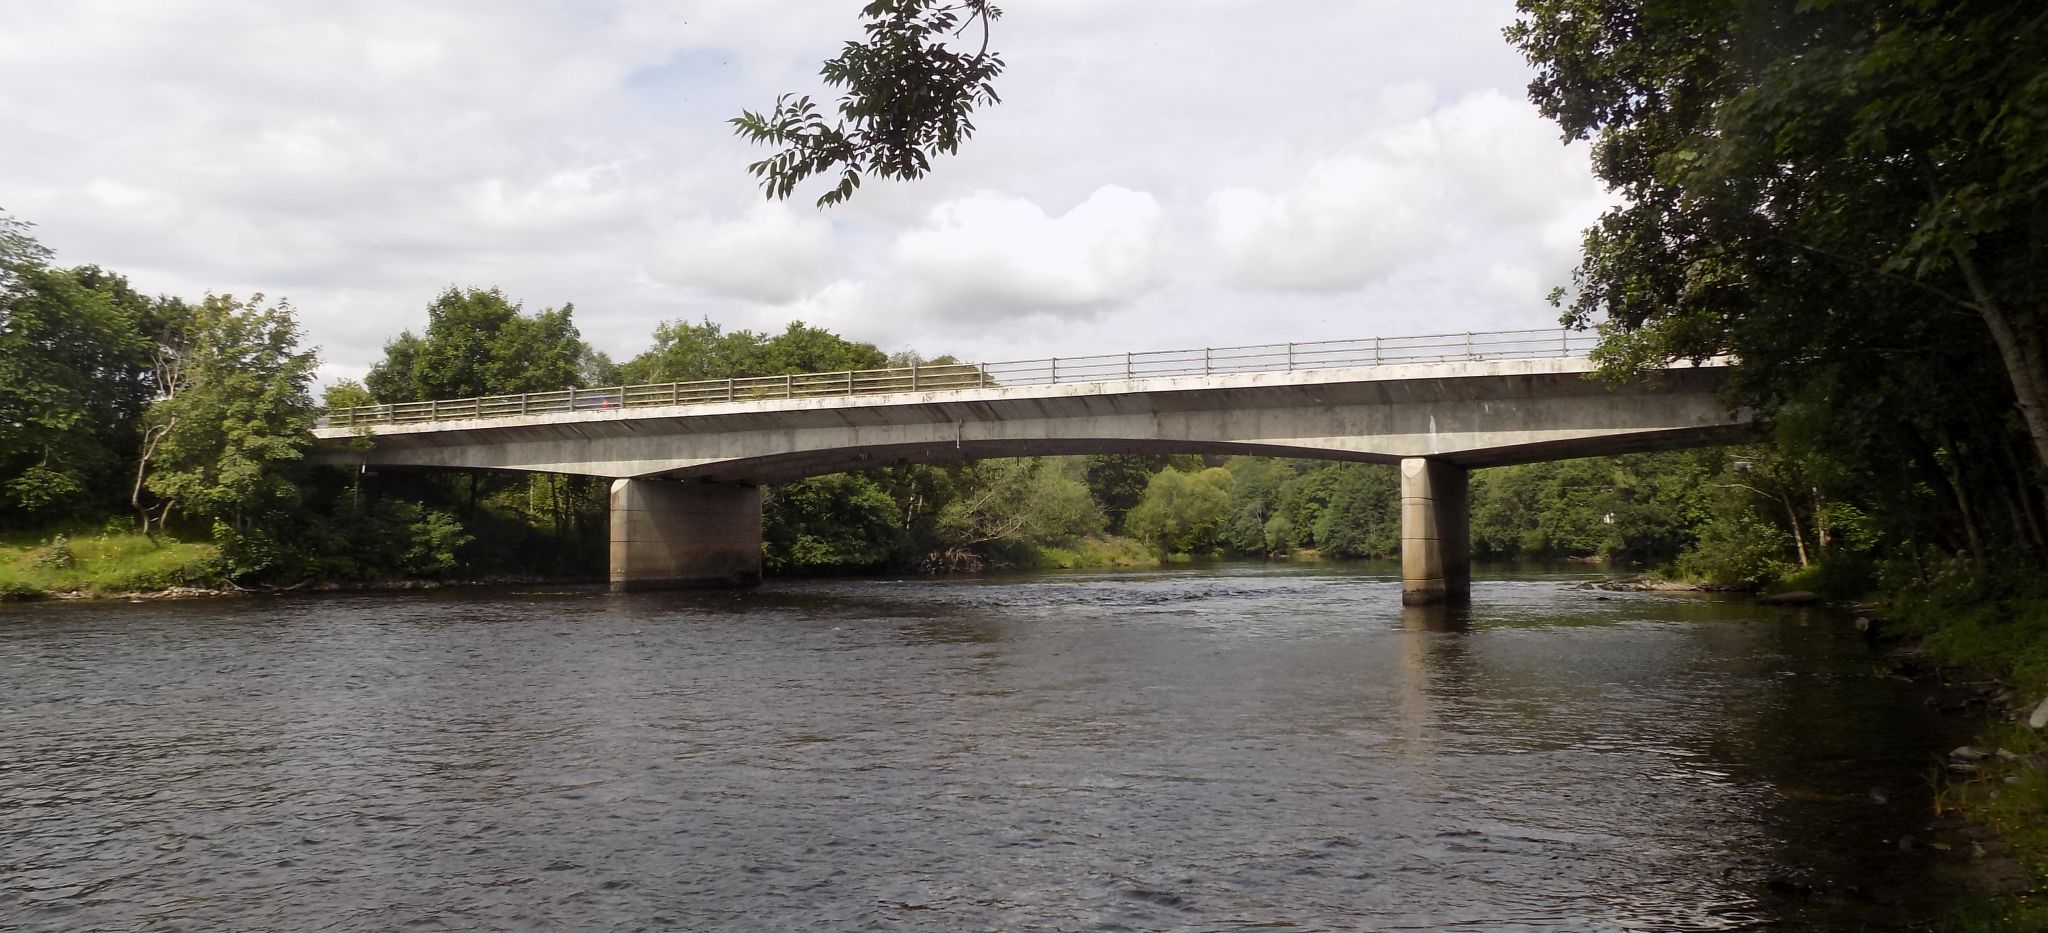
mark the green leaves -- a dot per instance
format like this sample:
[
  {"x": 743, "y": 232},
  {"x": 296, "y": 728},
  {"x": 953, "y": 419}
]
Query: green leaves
[
  {"x": 1842, "y": 194},
  {"x": 685, "y": 352},
  {"x": 909, "y": 95},
  {"x": 73, "y": 363},
  {"x": 1183, "y": 513},
  {"x": 239, "y": 415},
  {"x": 478, "y": 342}
]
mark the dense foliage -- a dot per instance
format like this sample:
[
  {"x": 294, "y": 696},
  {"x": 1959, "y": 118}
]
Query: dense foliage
[
  {"x": 193, "y": 418},
  {"x": 1847, "y": 196}
]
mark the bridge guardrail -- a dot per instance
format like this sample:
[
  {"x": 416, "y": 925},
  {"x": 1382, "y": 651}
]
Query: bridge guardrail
[{"x": 1207, "y": 361}]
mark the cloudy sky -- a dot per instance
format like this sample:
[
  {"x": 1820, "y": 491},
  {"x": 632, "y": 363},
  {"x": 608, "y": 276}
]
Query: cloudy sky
[{"x": 1160, "y": 175}]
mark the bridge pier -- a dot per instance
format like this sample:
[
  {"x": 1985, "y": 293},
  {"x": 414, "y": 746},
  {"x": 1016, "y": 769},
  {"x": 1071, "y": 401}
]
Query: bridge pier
[
  {"x": 1436, "y": 547},
  {"x": 669, "y": 535}
]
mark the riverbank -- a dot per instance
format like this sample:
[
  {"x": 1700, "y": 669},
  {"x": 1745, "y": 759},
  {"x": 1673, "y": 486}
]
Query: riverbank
[
  {"x": 1992, "y": 628},
  {"x": 131, "y": 566},
  {"x": 107, "y": 565}
]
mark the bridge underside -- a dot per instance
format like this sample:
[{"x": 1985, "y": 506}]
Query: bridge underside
[{"x": 1438, "y": 421}]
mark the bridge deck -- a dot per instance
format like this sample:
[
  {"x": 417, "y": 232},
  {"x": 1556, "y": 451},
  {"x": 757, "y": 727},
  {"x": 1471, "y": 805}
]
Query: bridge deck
[{"x": 945, "y": 376}]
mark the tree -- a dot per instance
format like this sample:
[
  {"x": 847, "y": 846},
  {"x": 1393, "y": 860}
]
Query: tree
[
  {"x": 1257, "y": 489},
  {"x": 1811, "y": 184},
  {"x": 235, "y": 417},
  {"x": 1019, "y": 503},
  {"x": 346, "y": 393},
  {"x": 1363, "y": 517},
  {"x": 392, "y": 379},
  {"x": 841, "y": 521},
  {"x": 909, "y": 96},
  {"x": 685, "y": 352},
  {"x": 1118, "y": 482},
  {"x": 72, "y": 349},
  {"x": 1183, "y": 513},
  {"x": 477, "y": 342},
  {"x": 801, "y": 348}
]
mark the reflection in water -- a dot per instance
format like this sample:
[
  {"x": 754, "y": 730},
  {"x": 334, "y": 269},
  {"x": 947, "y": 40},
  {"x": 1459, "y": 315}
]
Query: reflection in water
[{"x": 1202, "y": 749}]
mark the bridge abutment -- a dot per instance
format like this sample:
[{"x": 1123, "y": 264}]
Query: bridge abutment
[
  {"x": 673, "y": 535},
  {"x": 1436, "y": 549}
]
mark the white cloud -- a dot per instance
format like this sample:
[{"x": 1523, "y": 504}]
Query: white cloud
[
  {"x": 358, "y": 156},
  {"x": 988, "y": 255},
  {"x": 768, "y": 255},
  {"x": 1480, "y": 174}
]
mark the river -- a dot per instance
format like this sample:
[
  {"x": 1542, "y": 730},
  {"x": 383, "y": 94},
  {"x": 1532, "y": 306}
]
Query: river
[{"x": 1190, "y": 749}]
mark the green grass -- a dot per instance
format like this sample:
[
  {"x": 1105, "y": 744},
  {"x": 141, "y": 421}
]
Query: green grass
[
  {"x": 1097, "y": 552},
  {"x": 33, "y": 567},
  {"x": 1842, "y": 578},
  {"x": 1996, "y": 623},
  {"x": 2010, "y": 797}
]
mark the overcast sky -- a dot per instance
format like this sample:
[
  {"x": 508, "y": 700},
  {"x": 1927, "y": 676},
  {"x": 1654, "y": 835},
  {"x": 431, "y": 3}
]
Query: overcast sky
[{"x": 1160, "y": 174}]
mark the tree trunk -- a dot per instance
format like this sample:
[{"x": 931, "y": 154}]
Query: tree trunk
[
  {"x": 1968, "y": 512},
  {"x": 1798, "y": 536},
  {"x": 2024, "y": 351},
  {"x": 1820, "y": 524},
  {"x": 151, "y": 438}
]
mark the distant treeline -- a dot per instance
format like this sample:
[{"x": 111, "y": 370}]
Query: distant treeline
[{"x": 121, "y": 413}]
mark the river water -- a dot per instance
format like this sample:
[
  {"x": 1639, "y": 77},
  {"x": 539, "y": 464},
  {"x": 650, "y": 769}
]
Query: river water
[{"x": 1209, "y": 749}]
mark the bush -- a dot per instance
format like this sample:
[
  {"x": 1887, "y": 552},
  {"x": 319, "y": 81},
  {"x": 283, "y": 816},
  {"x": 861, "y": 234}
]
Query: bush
[
  {"x": 1738, "y": 551},
  {"x": 1991, "y": 620},
  {"x": 1840, "y": 577},
  {"x": 56, "y": 555}
]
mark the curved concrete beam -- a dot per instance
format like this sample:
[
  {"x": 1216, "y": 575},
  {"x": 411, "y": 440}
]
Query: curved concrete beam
[{"x": 1470, "y": 414}]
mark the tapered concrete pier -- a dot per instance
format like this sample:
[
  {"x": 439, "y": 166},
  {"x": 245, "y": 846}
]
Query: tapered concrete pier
[
  {"x": 1436, "y": 541},
  {"x": 669, "y": 535}
]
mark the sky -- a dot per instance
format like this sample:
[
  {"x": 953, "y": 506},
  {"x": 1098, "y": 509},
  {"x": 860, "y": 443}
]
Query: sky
[{"x": 1159, "y": 175}]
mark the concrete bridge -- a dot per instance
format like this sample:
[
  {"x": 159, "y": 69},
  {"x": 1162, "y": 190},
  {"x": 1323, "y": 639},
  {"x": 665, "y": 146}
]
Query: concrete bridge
[{"x": 686, "y": 459}]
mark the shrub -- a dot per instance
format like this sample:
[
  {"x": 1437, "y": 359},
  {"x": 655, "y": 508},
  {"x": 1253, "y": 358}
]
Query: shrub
[
  {"x": 56, "y": 555},
  {"x": 1739, "y": 551}
]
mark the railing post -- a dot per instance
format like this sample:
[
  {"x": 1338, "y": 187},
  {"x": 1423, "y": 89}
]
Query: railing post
[
  {"x": 434, "y": 410},
  {"x": 1468, "y": 345},
  {"x": 1564, "y": 341},
  {"x": 982, "y": 368},
  {"x": 913, "y": 377},
  {"x": 849, "y": 382},
  {"x": 675, "y": 393},
  {"x": 728, "y": 390},
  {"x": 1290, "y": 357},
  {"x": 789, "y": 386},
  {"x": 1375, "y": 351},
  {"x": 1127, "y": 367},
  {"x": 1205, "y": 360},
  {"x": 1055, "y": 369}
]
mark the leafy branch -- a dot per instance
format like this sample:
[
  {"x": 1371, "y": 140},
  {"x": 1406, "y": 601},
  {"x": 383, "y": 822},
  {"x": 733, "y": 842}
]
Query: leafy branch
[{"x": 908, "y": 97}]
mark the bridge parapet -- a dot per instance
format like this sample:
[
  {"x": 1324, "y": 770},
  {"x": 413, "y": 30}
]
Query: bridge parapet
[{"x": 928, "y": 377}]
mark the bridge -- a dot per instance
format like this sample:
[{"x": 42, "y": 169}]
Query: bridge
[{"x": 687, "y": 459}]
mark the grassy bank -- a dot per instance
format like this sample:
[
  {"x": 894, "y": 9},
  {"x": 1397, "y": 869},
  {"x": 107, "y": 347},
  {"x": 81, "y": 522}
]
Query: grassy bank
[
  {"x": 1996, "y": 625},
  {"x": 1097, "y": 552},
  {"x": 102, "y": 565}
]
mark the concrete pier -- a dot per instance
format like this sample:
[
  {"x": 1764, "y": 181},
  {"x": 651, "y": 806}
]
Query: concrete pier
[
  {"x": 670, "y": 535},
  {"x": 1436, "y": 547}
]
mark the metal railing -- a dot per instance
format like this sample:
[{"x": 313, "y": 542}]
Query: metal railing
[{"x": 936, "y": 377}]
